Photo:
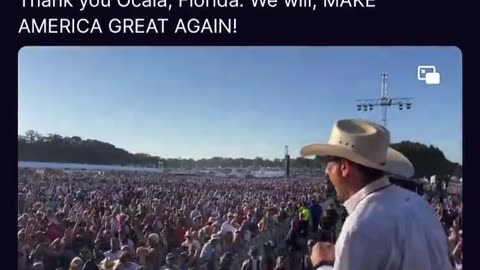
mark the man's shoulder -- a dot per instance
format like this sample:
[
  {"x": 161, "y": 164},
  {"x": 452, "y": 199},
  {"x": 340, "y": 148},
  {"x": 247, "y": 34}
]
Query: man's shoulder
[
  {"x": 394, "y": 198},
  {"x": 384, "y": 210}
]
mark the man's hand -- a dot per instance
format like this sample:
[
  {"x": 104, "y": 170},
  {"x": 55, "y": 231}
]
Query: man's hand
[{"x": 322, "y": 252}]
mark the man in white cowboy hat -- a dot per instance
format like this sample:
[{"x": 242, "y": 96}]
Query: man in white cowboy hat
[{"x": 388, "y": 227}]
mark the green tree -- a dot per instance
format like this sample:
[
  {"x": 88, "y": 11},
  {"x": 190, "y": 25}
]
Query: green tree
[{"x": 428, "y": 160}]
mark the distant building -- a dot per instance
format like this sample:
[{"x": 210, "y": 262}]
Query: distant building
[
  {"x": 266, "y": 173},
  {"x": 455, "y": 187},
  {"x": 83, "y": 167}
]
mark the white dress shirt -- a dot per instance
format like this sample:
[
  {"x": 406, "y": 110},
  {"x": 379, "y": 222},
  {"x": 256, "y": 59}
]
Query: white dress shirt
[
  {"x": 227, "y": 227},
  {"x": 390, "y": 228}
]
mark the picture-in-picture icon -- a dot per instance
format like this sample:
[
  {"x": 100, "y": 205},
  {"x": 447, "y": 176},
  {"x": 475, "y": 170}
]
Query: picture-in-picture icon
[{"x": 428, "y": 74}]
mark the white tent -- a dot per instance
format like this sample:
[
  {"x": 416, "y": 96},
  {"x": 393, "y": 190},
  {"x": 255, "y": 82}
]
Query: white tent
[{"x": 268, "y": 174}]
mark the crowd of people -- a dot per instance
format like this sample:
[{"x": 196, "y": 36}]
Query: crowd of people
[
  {"x": 132, "y": 221},
  {"x": 449, "y": 208},
  {"x": 451, "y": 217}
]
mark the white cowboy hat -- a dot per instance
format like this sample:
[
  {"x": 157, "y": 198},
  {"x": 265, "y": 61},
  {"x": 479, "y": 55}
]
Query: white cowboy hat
[
  {"x": 107, "y": 264},
  {"x": 365, "y": 143}
]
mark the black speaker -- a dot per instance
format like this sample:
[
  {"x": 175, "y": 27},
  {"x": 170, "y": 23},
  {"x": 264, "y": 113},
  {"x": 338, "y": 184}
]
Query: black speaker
[{"x": 287, "y": 165}]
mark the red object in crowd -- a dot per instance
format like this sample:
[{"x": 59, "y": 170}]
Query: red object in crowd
[
  {"x": 54, "y": 231},
  {"x": 180, "y": 235}
]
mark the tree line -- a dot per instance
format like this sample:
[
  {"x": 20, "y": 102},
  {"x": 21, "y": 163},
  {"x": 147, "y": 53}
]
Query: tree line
[
  {"x": 428, "y": 160},
  {"x": 54, "y": 148},
  {"x": 33, "y": 146}
]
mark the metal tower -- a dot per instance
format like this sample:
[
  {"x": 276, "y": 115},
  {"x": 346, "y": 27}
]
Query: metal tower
[{"x": 384, "y": 101}]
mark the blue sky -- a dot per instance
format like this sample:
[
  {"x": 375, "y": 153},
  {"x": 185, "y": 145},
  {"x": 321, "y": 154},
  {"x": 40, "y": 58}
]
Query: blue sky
[{"x": 234, "y": 101}]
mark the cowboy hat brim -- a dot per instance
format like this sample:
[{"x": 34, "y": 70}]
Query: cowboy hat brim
[{"x": 396, "y": 165}]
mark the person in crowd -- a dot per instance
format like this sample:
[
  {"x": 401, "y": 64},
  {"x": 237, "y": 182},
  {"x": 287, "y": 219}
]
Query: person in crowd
[
  {"x": 229, "y": 226},
  {"x": 211, "y": 252},
  {"x": 316, "y": 211},
  {"x": 76, "y": 264},
  {"x": 251, "y": 225},
  {"x": 191, "y": 241},
  {"x": 306, "y": 263},
  {"x": 87, "y": 257},
  {"x": 457, "y": 253},
  {"x": 197, "y": 212},
  {"x": 268, "y": 258},
  {"x": 126, "y": 262},
  {"x": 226, "y": 261},
  {"x": 329, "y": 223},
  {"x": 254, "y": 262},
  {"x": 227, "y": 244},
  {"x": 114, "y": 252},
  {"x": 154, "y": 252},
  {"x": 172, "y": 262},
  {"x": 303, "y": 225},
  {"x": 269, "y": 221},
  {"x": 295, "y": 243},
  {"x": 282, "y": 263}
]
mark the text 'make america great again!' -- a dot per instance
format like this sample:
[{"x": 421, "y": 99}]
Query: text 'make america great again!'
[{"x": 156, "y": 25}]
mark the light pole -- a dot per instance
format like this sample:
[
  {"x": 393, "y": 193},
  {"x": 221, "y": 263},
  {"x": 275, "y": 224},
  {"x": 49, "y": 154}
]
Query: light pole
[{"x": 384, "y": 101}]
